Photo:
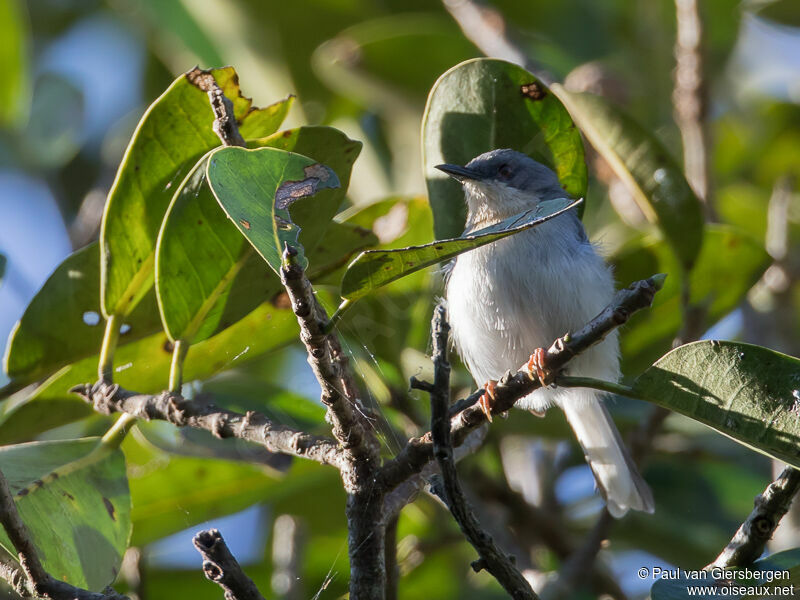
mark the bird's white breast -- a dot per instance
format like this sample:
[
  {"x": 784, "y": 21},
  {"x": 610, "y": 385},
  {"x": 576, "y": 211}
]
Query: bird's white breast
[{"x": 520, "y": 293}]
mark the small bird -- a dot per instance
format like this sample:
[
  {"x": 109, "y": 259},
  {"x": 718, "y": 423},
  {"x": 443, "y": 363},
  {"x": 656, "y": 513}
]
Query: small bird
[{"x": 518, "y": 294}]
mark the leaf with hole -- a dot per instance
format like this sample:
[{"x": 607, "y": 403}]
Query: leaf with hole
[
  {"x": 256, "y": 188},
  {"x": 63, "y": 322},
  {"x": 73, "y": 497},
  {"x": 748, "y": 393},
  {"x": 641, "y": 161},
  {"x": 332, "y": 148},
  {"x": 484, "y": 104},
  {"x": 375, "y": 268}
]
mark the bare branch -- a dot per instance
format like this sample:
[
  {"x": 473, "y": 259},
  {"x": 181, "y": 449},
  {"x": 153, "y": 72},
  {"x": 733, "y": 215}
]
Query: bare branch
[
  {"x": 108, "y": 398},
  {"x": 466, "y": 416},
  {"x": 690, "y": 96},
  {"x": 750, "y": 539},
  {"x": 33, "y": 580},
  {"x": 225, "y": 125},
  {"x": 221, "y": 567},
  {"x": 492, "y": 558}
]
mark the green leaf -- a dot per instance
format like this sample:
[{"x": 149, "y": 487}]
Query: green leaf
[
  {"x": 479, "y": 106},
  {"x": 749, "y": 393},
  {"x": 15, "y": 91},
  {"x": 173, "y": 134},
  {"x": 255, "y": 189},
  {"x": 781, "y": 570},
  {"x": 172, "y": 18},
  {"x": 73, "y": 496},
  {"x": 143, "y": 364},
  {"x": 639, "y": 159},
  {"x": 332, "y": 148},
  {"x": 62, "y": 323},
  {"x": 729, "y": 264},
  {"x": 375, "y": 268},
  {"x": 399, "y": 58}
]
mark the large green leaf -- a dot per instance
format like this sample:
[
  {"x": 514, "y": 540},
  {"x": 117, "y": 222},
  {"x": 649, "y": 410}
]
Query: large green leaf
[
  {"x": 639, "y": 159},
  {"x": 730, "y": 262},
  {"x": 779, "y": 574},
  {"x": 73, "y": 496},
  {"x": 375, "y": 268},
  {"x": 144, "y": 363},
  {"x": 332, "y": 148},
  {"x": 484, "y": 104},
  {"x": 62, "y": 323},
  {"x": 144, "y": 366},
  {"x": 173, "y": 134},
  {"x": 256, "y": 188},
  {"x": 15, "y": 91},
  {"x": 749, "y": 393}
]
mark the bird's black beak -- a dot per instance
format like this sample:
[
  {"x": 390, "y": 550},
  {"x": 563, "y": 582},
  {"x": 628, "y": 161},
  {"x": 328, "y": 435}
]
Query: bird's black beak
[{"x": 460, "y": 173}]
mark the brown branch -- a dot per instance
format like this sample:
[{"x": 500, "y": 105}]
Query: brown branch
[
  {"x": 252, "y": 426},
  {"x": 492, "y": 558},
  {"x": 221, "y": 567},
  {"x": 33, "y": 580},
  {"x": 749, "y": 541},
  {"x": 351, "y": 428},
  {"x": 690, "y": 96},
  {"x": 511, "y": 387},
  {"x": 225, "y": 125}
]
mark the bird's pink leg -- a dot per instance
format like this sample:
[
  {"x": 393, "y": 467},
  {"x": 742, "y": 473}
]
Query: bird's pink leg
[
  {"x": 537, "y": 364},
  {"x": 487, "y": 399}
]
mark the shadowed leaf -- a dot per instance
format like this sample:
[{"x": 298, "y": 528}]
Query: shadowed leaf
[
  {"x": 484, "y": 104},
  {"x": 640, "y": 160},
  {"x": 749, "y": 393},
  {"x": 73, "y": 496}
]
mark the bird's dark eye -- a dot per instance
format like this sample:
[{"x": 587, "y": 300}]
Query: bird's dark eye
[{"x": 504, "y": 172}]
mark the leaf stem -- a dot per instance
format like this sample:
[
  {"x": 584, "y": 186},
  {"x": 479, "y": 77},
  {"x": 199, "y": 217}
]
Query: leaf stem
[
  {"x": 179, "y": 351},
  {"x": 105, "y": 367},
  {"x": 598, "y": 384},
  {"x": 116, "y": 434}
]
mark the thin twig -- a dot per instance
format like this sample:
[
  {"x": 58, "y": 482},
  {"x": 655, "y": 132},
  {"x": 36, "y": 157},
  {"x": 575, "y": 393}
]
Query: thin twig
[
  {"x": 751, "y": 538},
  {"x": 419, "y": 451},
  {"x": 492, "y": 558},
  {"x": 199, "y": 414},
  {"x": 221, "y": 567},
  {"x": 33, "y": 580}
]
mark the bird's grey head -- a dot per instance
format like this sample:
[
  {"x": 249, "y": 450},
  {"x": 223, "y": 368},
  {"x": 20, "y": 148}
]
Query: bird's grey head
[{"x": 504, "y": 182}]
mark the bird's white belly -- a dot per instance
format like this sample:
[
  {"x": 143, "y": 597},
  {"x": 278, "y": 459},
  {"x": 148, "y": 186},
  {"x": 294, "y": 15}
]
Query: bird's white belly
[{"x": 515, "y": 295}]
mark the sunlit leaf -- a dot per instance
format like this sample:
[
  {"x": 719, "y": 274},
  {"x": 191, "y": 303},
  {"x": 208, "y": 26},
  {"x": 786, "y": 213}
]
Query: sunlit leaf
[
  {"x": 256, "y": 188},
  {"x": 73, "y": 497},
  {"x": 639, "y": 159},
  {"x": 63, "y": 324},
  {"x": 173, "y": 134},
  {"x": 375, "y": 268},
  {"x": 15, "y": 91},
  {"x": 749, "y": 393},
  {"x": 484, "y": 104}
]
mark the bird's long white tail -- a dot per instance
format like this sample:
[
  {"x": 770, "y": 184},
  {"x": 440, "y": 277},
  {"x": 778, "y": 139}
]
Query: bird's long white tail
[{"x": 617, "y": 478}]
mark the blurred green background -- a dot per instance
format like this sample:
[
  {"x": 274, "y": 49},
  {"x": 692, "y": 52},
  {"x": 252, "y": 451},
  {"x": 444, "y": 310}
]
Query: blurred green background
[{"x": 78, "y": 76}]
